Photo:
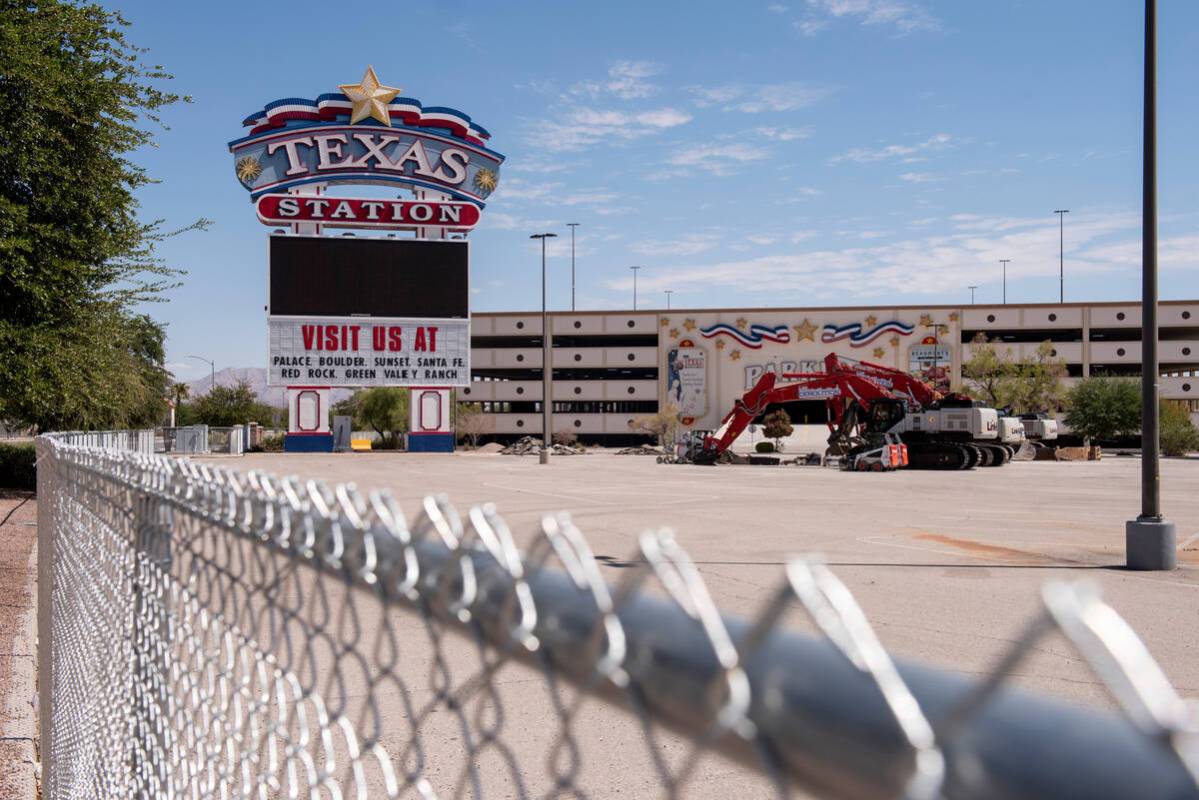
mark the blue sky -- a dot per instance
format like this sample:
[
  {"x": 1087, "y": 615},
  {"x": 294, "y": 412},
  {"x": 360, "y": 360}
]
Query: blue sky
[{"x": 814, "y": 152}]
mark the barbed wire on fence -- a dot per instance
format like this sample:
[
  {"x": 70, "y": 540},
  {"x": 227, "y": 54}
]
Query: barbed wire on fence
[{"x": 213, "y": 634}]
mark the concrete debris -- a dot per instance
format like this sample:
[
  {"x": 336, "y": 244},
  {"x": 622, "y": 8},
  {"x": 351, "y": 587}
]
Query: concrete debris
[
  {"x": 640, "y": 450},
  {"x": 529, "y": 446},
  {"x": 490, "y": 447}
]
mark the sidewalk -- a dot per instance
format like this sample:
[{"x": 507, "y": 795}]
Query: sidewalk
[{"x": 18, "y": 613}]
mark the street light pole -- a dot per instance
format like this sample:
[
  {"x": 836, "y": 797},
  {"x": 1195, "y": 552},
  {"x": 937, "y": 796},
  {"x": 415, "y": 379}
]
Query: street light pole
[
  {"x": 546, "y": 365},
  {"x": 1061, "y": 253},
  {"x": 971, "y": 288},
  {"x": 213, "y": 366},
  {"x": 634, "y": 286},
  {"x": 668, "y": 292},
  {"x": 1149, "y": 540},
  {"x": 1004, "y": 261},
  {"x": 572, "y": 226}
]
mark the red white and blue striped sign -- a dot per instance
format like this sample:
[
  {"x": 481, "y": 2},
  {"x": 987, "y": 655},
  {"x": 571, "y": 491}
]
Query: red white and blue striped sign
[
  {"x": 753, "y": 338},
  {"x": 859, "y": 338}
]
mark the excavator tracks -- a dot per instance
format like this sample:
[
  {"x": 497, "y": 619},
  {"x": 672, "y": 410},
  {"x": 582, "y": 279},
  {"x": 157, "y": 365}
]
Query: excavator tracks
[{"x": 956, "y": 455}]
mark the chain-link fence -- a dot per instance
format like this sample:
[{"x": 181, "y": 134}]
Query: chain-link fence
[{"x": 210, "y": 634}]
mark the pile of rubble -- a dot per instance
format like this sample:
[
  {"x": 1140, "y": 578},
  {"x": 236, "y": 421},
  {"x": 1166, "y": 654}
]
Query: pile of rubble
[
  {"x": 640, "y": 450},
  {"x": 529, "y": 446}
]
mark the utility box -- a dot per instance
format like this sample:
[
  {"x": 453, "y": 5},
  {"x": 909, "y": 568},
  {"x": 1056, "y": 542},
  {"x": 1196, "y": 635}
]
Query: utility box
[{"x": 342, "y": 429}]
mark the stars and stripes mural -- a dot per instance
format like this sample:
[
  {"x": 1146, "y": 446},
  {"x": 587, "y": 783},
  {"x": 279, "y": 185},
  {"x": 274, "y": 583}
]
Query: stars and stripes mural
[
  {"x": 753, "y": 337},
  {"x": 860, "y": 338}
]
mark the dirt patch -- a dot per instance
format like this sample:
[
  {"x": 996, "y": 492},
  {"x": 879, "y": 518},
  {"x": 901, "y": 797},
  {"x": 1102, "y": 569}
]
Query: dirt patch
[{"x": 991, "y": 550}]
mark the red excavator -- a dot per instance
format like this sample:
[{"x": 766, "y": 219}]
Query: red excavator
[
  {"x": 861, "y": 415},
  {"x": 941, "y": 429}
]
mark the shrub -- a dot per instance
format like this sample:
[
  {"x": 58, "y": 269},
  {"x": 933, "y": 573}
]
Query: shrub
[
  {"x": 565, "y": 437},
  {"x": 1105, "y": 408},
  {"x": 18, "y": 468},
  {"x": 764, "y": 447},
  {"x": 1177, "y": 433}
]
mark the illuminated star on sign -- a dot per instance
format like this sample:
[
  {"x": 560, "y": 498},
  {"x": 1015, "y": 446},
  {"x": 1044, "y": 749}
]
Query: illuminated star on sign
[
  {"x": 735, "y": 355},
  {"x": 805, "y": 330},
  {"x": 741, "y": 322},
  {"x": 871, "y": 321},
  {"x": 894, "y": 341},
  {"x": 674, "y": 333},
  {"x": 953, "y": 317},
  {"x": 689, "y": 324},
  {"x": 369, "y": 98},
  {"x": 879, "y": 352},
  {"x": 720, "y": 344},
  {"x": 926, "y": 320},
  {"x": 665, "y": 322}
]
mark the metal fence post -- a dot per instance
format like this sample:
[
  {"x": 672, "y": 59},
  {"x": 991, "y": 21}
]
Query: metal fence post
[{"x": 45, "y": 612}]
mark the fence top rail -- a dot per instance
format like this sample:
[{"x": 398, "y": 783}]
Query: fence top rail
[{"x": 833, "y": 714}]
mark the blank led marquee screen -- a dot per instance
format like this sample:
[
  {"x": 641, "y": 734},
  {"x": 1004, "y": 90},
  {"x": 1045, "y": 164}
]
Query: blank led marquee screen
[{"x": 314, "y": 276}]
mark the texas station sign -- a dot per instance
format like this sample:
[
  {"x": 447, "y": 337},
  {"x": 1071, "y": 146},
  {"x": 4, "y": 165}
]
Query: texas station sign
[
  {"x": 374, "y": 352},
  {"x": 365, "y": 134},
  {"x": 352, "y": 212}
]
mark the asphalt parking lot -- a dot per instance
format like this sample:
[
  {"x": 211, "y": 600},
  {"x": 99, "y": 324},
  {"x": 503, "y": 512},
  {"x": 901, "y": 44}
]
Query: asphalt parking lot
[{"x": 946, "y": 565}]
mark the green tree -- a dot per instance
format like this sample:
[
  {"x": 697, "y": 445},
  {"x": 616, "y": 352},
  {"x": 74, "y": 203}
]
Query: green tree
[
  {"x": 777, "y": 425},
  {"x": 1177, "y": 433},
  {"x": 75, "y": 102},
  {"x": 228, "y": 405},
  {"x": 1105, "y": 408},
  {"x": 1033, "y": 383},
  {"x": 385, "y": 411},
  {"x": 988, "y": 370}
]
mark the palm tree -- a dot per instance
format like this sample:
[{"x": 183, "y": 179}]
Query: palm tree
[{"x": 180, "y": 391}]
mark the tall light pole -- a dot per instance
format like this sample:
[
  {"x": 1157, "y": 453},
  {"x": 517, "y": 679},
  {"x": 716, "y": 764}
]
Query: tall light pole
[
  {"x": 971, "y": 288},
  {"x": 634, "y": 286},
  {"x": 210, "y": 364},
  {"x": 546, "y": 366},
  {"x": 1061, "y": 253},
  {"x": 1149, "y": 540},
  {"x": 1004, "y": 261},
  {"x": 572, "y": 226},
  {"x": 668, "y": 292}
]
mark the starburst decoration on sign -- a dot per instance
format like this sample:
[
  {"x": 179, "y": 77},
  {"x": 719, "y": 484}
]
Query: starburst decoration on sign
[
  {"x": 926, "y": 320},
  {"x": 486, "y": 180},
  {"x": 689, "y": 324},
  {"x": 805, "y": 331},
  {"x": 953, "y": 317},
  {"x": 720, "y": 344},
  {"x": 665, "y": 322},
  {"x": 871, "y": 321},
  {"x": 674, "y": 333},
  {"x": 369, "y": 98},
  {"x": 742, "y": 322},
  {"x": 879, "y": 352},
  {"x": 895, "y": 341},
  {"x": 735, "y": 355},
  {"x": 248, "y": 169}
]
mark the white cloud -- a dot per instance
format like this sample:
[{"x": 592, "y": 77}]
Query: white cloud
[
  {"x": 586, "y": 198},
  {"x": 762, "y": 239},
  {"x": 783, "y": 134},
  {"x": 800, "y": 236},
  {"x": 777, "y": 8},
  {"x": 756, "y": 99},
  {"x": 626, "y": 80},
  {"x": 583, "y": 127},
  {"x": 518, "y": 189},
  {"x": 925, "y": 265},
  {"x": 718, "y": 159},
  {"x": 919, "y": 177},
  {"x": 862, "y": 155},
  {"x": 688, "y": 245},
  {"x": 906, "y": 17}
]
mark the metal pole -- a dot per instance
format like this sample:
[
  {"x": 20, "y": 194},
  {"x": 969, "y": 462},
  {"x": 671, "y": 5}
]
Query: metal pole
[
  {"x": 546, "y": 359},
  {"x": 971, "y": 288},
  {"x": 572, "y": 226},
  {"x": 1149, "y": 540},
  {"x": 669, "y": 292},
  {"x": 1004, "y": 261},
  {"x": 1061, "y": 253},
  {"x": 634, "y": 286},
  {"x": 211, "y": 364}
]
